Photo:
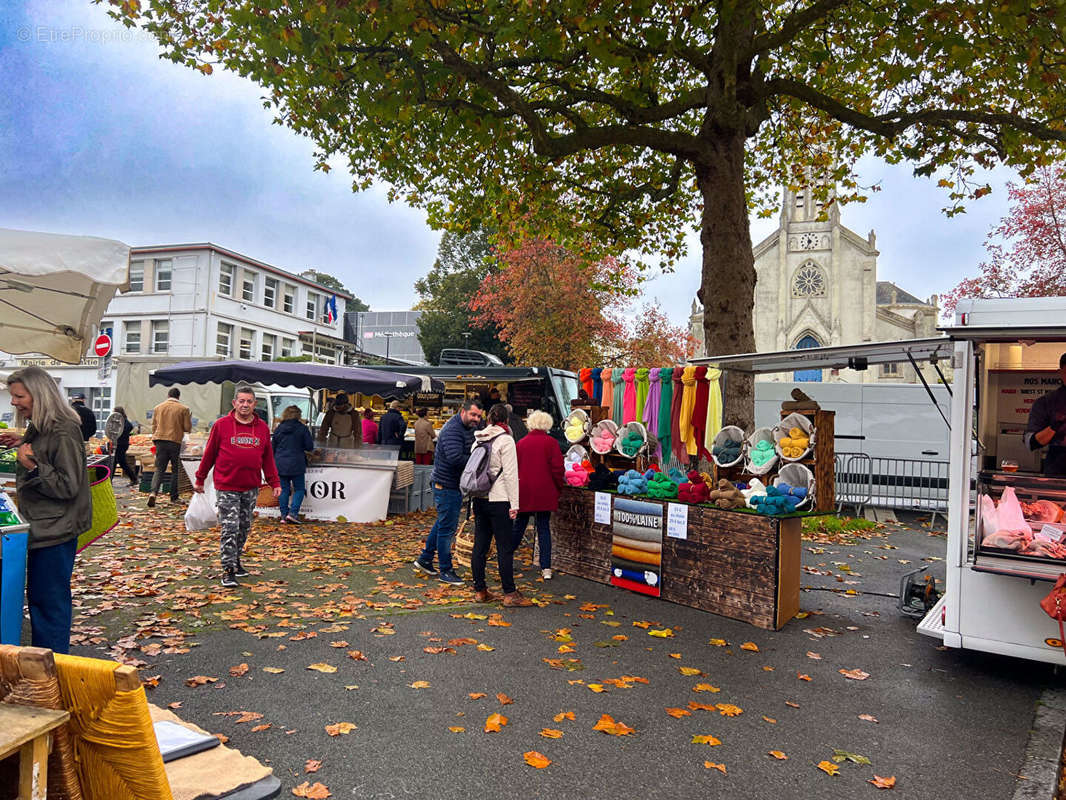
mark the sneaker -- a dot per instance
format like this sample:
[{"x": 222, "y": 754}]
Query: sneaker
[
  {"x": 546, "y": 574},
  {"x": 294, "y": 520},
  {"x": 240, "y": 572},
  {"x": 450, "y": 577},
  {"x": 151, "y": 501},
  {"x": 229, "y": 580},
  {"x": 422, "y": 566}
]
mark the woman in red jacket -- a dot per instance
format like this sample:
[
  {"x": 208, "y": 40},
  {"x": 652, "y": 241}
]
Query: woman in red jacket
[{"x": 540, "y": 477}]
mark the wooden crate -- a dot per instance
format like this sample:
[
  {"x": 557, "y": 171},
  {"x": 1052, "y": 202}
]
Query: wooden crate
[{"x": 736, "y": 564}]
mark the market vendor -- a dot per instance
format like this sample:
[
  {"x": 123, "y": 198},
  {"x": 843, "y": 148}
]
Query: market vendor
[{"x": 1047, "y": 426}]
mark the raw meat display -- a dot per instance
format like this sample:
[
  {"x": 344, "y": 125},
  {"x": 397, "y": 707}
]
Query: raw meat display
[
  {"x": 1046, "y": 549},
  {"x": 1006, "y": 540},
  {"x": 1042, "y": 511}
]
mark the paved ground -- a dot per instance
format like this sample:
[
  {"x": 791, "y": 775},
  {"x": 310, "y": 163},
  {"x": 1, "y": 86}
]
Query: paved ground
[{"x": 945, "y": 724}]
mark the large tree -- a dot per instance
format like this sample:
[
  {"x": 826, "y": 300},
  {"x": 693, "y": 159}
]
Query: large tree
[
  {"x": 463, "y": 262},
  {"x": 1027, "y": 249},
  {"x": 635, "y": 116}
]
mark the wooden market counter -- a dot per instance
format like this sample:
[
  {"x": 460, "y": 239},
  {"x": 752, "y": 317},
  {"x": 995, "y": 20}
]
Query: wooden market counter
[{"x": 741, "y": 565}]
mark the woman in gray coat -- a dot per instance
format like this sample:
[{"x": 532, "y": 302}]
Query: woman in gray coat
[{"x": 53, "y": 497}]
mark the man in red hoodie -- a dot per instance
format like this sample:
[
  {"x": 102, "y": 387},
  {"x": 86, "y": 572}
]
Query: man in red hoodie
[{"x": 239, "y": 450}]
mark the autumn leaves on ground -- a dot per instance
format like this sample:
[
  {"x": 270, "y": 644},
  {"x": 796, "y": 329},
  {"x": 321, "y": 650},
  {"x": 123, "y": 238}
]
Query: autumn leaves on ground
[{"x": 336, "y": 645}]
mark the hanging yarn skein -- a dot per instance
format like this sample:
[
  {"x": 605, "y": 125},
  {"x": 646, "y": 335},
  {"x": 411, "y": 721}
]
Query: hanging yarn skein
[
  {"x": 714, "y": 407},
  {"x": 618, "y": 398},
  {"x": 642, "y": 392},
  {"x": 677, "y": 444},
  {"x": 650, "y": 417},
  {"x": 666, "y": 402},
  {"x": 597, "y": 384},
  {"x": 699, "y": 415},
  {"x": 629, "y": 399},
  {"x": 608, "y": 389},
  {"x": 585, "y": 377},
  {"x": 688, "y": 405}
]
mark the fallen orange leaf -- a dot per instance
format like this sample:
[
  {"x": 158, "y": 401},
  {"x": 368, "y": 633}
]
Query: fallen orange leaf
[
  {"x": 750, "y": 646},
  {"x": 457, "y": 729},
  {"x": 273, "y": 670},
  {"x": 803, "y": 677},
  {"x": 535, "y": 759},
  {"x": 420, "y": 685},
  {"x": 563, "y": 715},
  {"x": 551, "y": 733},
  {"x": 705, "y": 739},
  {"x": 504, "y": 699},
  {"x": 607, "y": 724},
  {"x": 596, "y": 687},
  {"x": 854, "y": 674},
  {"x": 778, "y": 755},
  {"x": 705, "y": 687},
  {"x": 729, "y": 710},
  {"x": 258, "y": 728},
  {"x": 239, "y": 670},
  {"x": 476, "y": 695},
  {"x": 868, "y": 717},
  {"x": 815, "y": 656},
  {"x": 397, "y": 658},
  {"x": 771, "y": 720},
  {"x": 701, "y": 706},
  {"x": 718, "y": 642},
  {"x": 356, "y": 655},
  {"x": 437, "y": 650},
  {"x": 495, "y": 723},
  {"x": 199, "y": 680},
  {"x": 341, "y": 643},
  {"x": 340, "y": 727},
  {"x": 322, "y": 667},
  {"x": 664, "y": 633},
  {"x": 310, "y": 791},
  {"x": 690, "y": 671},
  {"x": 883, "y": 783},
  {"x": 498, "y": 621},
  {"x": 674, "y": 655},
  {"x": 312, "y": 765},
  {"x": 678, "y": 713},
  {"x": 712, "y": 765},
  {"x": 828, "y": 767}
]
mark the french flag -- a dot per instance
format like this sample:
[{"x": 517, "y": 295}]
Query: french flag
[{"x": 330, "y": 312}]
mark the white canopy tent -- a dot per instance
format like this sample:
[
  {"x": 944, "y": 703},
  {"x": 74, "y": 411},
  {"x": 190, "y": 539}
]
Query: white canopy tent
[{"x": 55, "y": 289}]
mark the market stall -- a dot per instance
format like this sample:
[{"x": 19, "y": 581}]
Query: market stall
[{"x": 347, "y": 485}]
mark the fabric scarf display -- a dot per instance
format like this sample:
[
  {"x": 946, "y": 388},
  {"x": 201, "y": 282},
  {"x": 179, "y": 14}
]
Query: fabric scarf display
[
  {"x": 632, "y": 482},
  {"x": 597, "y": 384},
  {"x": 629, "y": 398},
  {"x": 608, "y": 389},
  {"x": 602, "y": 479},
  {"x": 662, "y": 487},
  {"x": 642, "y": 392},
  {"x": 714, "y": 407},
  {"x": 650, "y": 417},
  {"x": 585, "y": 376},
  {"x": 688, "y": 405},
  {"x": 699, "y": 416},
  {"x": 618, "y": 396},
  {"x": 677, "y": 445},
  {"x": 666, "y": 404}
]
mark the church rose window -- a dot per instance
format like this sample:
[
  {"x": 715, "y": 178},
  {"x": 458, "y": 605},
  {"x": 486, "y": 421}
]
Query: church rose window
[{"x": 809, "y": 282}]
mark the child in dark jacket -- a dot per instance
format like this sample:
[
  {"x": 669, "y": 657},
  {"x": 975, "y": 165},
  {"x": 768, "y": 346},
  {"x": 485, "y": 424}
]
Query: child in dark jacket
[{"x": 291, "y": 440}]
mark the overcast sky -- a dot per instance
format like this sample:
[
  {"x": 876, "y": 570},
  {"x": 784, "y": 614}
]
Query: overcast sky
[{"x": 99, "y": 136}]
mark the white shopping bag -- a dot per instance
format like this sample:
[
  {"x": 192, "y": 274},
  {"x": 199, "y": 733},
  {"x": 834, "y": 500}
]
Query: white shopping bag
[{"x": 200, "y": 515}]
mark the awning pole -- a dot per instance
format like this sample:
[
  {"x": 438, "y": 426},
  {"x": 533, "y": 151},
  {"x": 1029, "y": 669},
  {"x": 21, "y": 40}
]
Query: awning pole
[{"x": 928, "y": 391}]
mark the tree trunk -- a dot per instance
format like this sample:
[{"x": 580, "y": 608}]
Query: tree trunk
[{"x": 727, "y": 288}]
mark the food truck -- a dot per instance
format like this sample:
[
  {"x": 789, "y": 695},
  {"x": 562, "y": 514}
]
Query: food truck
[{"x": 1006, "y": 534}]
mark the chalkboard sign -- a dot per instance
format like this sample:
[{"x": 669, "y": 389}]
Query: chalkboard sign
[
  {"x": 526, "y": 395},
  {"x": 429, "y": 399}
]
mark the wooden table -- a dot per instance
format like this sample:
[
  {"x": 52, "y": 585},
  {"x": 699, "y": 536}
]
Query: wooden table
[{"x": 29, "y": 730}]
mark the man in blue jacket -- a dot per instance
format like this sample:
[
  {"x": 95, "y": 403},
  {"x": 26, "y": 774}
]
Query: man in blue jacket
[
  {"x": 453, "y": 449},
  {"x": 392, "y": 427}
]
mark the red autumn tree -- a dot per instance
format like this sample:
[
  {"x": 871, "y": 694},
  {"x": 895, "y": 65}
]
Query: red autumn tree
[
  {"x": 552, "y": 307},
  {"x": 1027, "y": 249},
  {"x": 653, "y": 341}
]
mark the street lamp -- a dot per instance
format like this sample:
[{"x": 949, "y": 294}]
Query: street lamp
[{"x": 466, "y": 339}]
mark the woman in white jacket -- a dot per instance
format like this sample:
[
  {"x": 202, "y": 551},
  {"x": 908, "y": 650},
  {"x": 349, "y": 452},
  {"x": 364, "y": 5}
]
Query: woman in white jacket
[{"x": 494, "y": 515}]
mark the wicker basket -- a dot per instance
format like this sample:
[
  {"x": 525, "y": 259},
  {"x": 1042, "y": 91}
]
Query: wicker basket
[
  {"x": 729, "y": 433},
  {"x": 758, "y": 435},
  {"x": 266, "y": 498},
  {"x": 578, "y": 415},
  {"x": 799, "y": 476},
  {"x": 628, "y": 427},
  {"x": 463, "y": 544},
  {"x": 784, "y": 426}
]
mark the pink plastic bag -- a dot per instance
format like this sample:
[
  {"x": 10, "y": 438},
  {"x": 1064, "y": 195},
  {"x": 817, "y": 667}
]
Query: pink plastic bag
[
  {"x": 989, "y": 517},
  {"x": 1009, "y": 512}
]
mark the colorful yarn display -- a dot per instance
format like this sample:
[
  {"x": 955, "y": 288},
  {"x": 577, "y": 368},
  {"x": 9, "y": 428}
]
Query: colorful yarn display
[
  {"x": 694, "y": 490},
  {"x": 714, "y": 406},
  {"x": 792, "y": 491},
  {"x": 728, "y": 452},
  {"x": 650, "y": 417},
  {"x": 629, "y": 397},
  {"x": 585, "y": 377},
  {"x": 642, "y": 392},
  {"x": 631, "y": 443},
  {"x": 660, "y": 486},
  {"x": 632, "y": 482},
  {"x": 618, "y": 395},
  {"x": 775, "y": 502},
  {"x": 688, "y": 407},
  {"x": 603, "y": 479},
  {"x": 607, "y": 395},
  {"x": 666, "y": 394},
  {"x": 727, "y": 495},
  {"x": 755, "y": 489},
  {"x": 602, "y": 440},
  {"x": 575, "y": 429},
  {"x": 762, "y": 453},
  {"x": 677, "y": 476},
  {"x": 795, "y": 444}
]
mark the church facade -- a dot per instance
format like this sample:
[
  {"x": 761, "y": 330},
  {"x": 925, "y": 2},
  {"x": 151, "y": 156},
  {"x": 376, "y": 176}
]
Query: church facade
[{"x": 816, "y": 286}]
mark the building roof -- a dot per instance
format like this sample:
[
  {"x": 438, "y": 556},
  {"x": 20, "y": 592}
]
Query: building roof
[
  {"x": 885, "y": 298},
  {"x": 163, "y": 248}
]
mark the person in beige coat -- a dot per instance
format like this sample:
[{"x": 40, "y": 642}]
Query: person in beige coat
[
  {"x": 425, "y": 436},
  {"x": 494, "y": 515}
]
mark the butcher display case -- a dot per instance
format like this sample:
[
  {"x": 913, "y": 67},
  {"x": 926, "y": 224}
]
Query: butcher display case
[{"x": 1025, "y": 538}]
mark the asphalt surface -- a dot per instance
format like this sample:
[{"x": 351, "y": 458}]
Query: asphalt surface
[{"x": 949, "y": 724}]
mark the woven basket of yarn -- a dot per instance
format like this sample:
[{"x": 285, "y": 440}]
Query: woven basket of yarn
[
  {"x": 632, "y": 437},
  {"x": 797, "y": 476},
  {"x": 794, "y": 437},
  {"x": 761, "y": 453},
  {"x": 574, "y": 456},
  {"x": 602, "y": 436},
  {"x": 728, "y": 447},
  {"x": 576, "y": 427}
]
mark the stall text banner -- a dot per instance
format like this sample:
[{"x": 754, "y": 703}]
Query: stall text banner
[
  {"x": 637, "y": 546},
  {"x": 344, "y": 494}
]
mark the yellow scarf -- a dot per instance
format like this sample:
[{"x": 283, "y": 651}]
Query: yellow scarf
[
  {"x": 714, "y": 406},
  {"x": 688, "y": 403}
]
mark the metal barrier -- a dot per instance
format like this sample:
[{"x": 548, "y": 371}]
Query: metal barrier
[{"x": 904, "y": 483}]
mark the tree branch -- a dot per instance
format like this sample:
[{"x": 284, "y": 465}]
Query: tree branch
[{"x": 793, "y": 25}]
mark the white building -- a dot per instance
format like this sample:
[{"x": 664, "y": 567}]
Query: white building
[
  {"x": 199, "y": 301},
  {"x": 816, "y": 286}
]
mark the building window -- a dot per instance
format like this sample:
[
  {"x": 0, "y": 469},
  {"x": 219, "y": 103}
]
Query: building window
[
  {"x": 889, "y": 370},
  {"x": 247, "y": 337},
  {"x": 225, "y": 279},
  {"x": 136, "y": 276},
  {"x": 287, "y": 346},
  {"x": 312, "y": 306},
  {"x": 289, "y": 300},
  {"x": 248, "y": 287},
  {"x": 809, "y": 281},
  {"x": 160, "y": 335},
  {"x": 224, "y": 340},
  {"x": 270, "y": 292},
  {"x": 162, "y": 274},
  {"x": 269, "y": 340},
  {"x": 133, "y": 337}
]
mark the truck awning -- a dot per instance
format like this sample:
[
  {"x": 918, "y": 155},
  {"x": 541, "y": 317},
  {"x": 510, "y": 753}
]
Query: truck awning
[
  {"x": 1000, "y": 333},
  {"x": 848, "y": 356},
  {"x": 303, "y": 374}
]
